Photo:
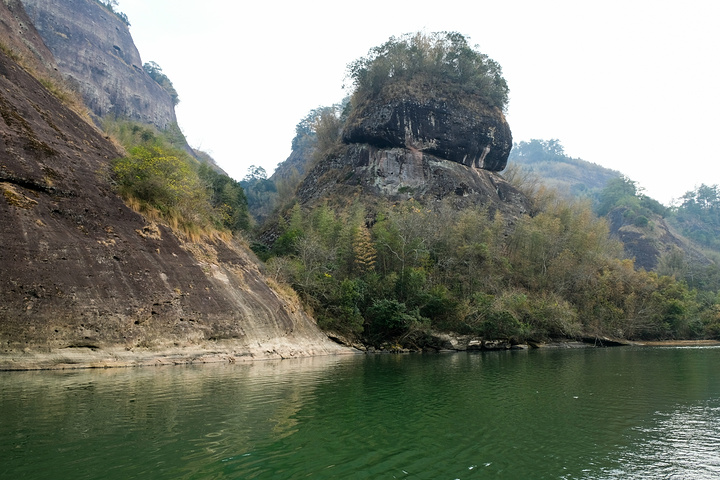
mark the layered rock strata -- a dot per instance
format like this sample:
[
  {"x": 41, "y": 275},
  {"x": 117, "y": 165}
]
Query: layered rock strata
[
  {"x": 460, "y": 128},
  {"x": 409, "y": 142}
]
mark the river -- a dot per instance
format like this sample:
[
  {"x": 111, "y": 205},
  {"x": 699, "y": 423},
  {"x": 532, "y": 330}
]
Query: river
[{"x": 616, "y": 413}]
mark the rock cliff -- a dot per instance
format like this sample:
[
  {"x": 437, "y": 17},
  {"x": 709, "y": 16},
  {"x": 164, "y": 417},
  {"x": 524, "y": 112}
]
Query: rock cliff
[
  {"x": 397, "y": 174},
  {"x": 20, "y": 38},
  {"x": 462, "y": 129},
  {"x": 96, "y": 54},
  {"x": 86, "y": 281},
  {"x": 646, "y": 245}
]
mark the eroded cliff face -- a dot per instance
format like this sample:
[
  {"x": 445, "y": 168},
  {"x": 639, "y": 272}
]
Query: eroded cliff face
[
  {"x": 646, "y": 246},
  {"x": 466, "y": 132},
  {"x": 419, "y": 143},
  {"x": 96, "y": 55},
  {"x": 84, "y": 277},
  {"x": 397, "y": 174}
]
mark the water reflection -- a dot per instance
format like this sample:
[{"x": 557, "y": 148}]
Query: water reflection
[{"x": 592, "y": 414}]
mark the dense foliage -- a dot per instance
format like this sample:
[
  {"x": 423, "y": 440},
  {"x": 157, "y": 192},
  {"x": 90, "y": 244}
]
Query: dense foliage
[
  {"x": 436, "y": 57},
  {"x": 698, "y": 215},
  {"x": 160, "y": 178},
  {"x": 623, "y": 192},
  {"x": 411, "y": 269},
  {"x": 261, "y": 192}
]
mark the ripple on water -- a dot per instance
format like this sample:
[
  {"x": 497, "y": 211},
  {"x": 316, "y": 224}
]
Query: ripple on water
[{"x": 682, "y": 444}]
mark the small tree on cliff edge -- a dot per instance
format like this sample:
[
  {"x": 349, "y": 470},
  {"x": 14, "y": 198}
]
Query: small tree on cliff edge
[
  {"x": 443, "y": 57},
  {"x": 156, "y": 73}
]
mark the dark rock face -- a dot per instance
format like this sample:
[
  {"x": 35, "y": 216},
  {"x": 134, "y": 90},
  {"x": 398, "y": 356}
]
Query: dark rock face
[
  {"x": 96, "y": 54},
  {"x": 419, "y": 141},
  {"x": 80, "y": 270},
  {"x": 468, "y": 133}
]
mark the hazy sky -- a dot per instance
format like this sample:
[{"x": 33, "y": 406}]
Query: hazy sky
[{"x": 631, "y": 85}]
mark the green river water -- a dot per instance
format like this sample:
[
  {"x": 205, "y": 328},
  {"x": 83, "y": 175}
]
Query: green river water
[{"x": 618, "y": 413}]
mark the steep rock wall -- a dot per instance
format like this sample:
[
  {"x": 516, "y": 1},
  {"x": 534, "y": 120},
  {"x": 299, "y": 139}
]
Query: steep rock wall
[
  {"x": 646, "y": 246},
  {"x": 96, "y": 54},
  {"x": 82, "y": 273}
]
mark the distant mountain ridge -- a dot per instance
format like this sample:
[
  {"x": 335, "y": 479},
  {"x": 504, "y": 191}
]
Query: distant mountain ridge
[{"x": 546, "y": 159}]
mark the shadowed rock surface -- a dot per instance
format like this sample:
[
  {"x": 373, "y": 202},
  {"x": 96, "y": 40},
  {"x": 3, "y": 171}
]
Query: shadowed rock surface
[
  {"x": 86, "y": 281},
  {"x": 410, "y": 142}
]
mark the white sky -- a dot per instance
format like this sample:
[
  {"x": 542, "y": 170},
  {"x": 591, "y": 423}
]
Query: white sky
[{"x": 628, "y": 84}]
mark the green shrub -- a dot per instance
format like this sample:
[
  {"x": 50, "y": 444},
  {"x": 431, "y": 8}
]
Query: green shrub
[
  {"x": 389, "y": 318},
  {"x": 641, "y": 221},
  {"x": 160, "y": 176},
  {"x": 227, "y": 198},
  {"x": 157, "y": 177}
]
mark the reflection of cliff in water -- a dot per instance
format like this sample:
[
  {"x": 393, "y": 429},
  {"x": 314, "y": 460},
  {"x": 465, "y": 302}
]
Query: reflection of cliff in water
[{"x": 153, "y": 409}]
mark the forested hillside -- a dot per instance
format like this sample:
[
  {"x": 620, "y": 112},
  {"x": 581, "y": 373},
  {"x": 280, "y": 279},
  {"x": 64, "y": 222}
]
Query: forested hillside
[
  {"x": 545, "y": 162},
  {"x": 396, "y": 269}
]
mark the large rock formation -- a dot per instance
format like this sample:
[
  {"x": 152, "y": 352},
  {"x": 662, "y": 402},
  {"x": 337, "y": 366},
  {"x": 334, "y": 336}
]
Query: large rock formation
[
  {"x": 401, "y": 173},
  {"x": 82, "y": 273},
  {"x": 464, "y": 130},
  {"x": 96, "y": 54},
  {"x": 420, "y": 143}
]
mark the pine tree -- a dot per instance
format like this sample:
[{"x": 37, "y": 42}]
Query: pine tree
[{"x": 364, "y": 250}]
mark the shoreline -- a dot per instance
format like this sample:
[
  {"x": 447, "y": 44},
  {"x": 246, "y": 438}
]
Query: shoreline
[
  {"x": 678, "y": 343},
  {"x": 86, "y": 357},
  {"x": 90, "y": 358}
]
